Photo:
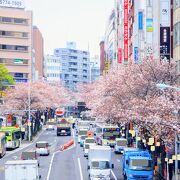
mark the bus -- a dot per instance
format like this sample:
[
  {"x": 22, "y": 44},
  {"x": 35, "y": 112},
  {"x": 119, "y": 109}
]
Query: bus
[
  {"x": 13, "y": 136},
  {"x": 106, "y": 134},
  {"x": 2, "y": 144}
]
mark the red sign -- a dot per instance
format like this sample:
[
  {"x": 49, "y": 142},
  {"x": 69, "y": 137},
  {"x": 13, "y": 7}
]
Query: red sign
[
  {"x": 119, "y": 55},
  {"x": 125, "y": 30},
  {"x": 59, "y": 112}
]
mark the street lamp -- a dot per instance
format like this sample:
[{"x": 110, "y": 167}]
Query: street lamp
[{"x": 164, "y": 86}]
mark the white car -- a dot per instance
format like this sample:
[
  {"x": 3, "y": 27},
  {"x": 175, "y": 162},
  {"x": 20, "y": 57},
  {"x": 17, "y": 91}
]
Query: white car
[
  {"x": 120, "y": 144},
  {"x": 90, "y": 141},
  {"x": 42, "y": 148}
]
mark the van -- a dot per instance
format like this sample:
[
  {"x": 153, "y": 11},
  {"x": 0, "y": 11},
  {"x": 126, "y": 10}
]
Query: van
[{"x": 42, "y": 148}]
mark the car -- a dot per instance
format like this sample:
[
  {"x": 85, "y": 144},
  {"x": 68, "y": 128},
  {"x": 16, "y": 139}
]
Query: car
[
  {"x": 29, "y": 155},
  {"x": 42, "y": 148},
  {"x": 120, "y": 144},
  {"x": 50, "y": 126},
  {"x": 89, "y": 141},
  {"x": 82, "y": 139}
]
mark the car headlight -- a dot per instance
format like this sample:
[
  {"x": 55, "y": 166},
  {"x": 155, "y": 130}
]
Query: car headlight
[{"x": 130, "y": 175}]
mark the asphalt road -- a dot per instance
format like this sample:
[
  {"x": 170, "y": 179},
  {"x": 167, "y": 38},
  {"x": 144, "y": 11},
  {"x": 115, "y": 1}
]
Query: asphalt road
[{"x": 65, "y": 165}]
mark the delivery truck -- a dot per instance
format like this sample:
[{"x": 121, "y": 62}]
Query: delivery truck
[
  {"x": 100, "y": 163},
  {"x": 137, "y": 164},
  {"x": 22, "y": 169}
]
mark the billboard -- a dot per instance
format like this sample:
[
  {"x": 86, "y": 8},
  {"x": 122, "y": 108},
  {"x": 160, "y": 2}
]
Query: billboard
[
  {"x": 165, "y": 43},
  {"x": 140, "y": 20},
  {"x": 126, "y": 30},
  {"x": 13, "y": 3},
  {"x": 120, "y": 55},
  {"x": 149, "y": 25},
  {"x": 165, "y": 14}
]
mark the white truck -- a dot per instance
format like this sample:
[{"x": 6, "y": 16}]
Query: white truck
[
  {"x": 99, "y": 163},
  {"x": 22, "y": 169}
]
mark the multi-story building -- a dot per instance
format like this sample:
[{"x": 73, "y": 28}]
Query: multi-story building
[
  {"x": 75, "y": 65},
  {"x": 16, "y": 40},
  {"x": 52, "y": 66},
  {"x": 102, "y": 57},
  {"x": 38, "y": 47},
  {"x": 94, "y": 69},
  {"x": 176, "y": 45}
]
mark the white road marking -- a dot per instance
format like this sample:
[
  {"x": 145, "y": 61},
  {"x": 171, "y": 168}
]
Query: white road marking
[
  {"x": 50, "y": 166},
  {"x": 80, "y": 170},
  {"x": 115, "y": 178}
]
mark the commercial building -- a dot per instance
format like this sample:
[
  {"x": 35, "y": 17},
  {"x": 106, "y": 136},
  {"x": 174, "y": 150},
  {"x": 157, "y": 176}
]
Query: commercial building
[
  {"x": 75, "y": 65},
  {"x": 16, "y": 40},
  {"x": 176, "y": 44},
  {"x": 38, "y": 47},
  {"x": 52, "y": 66}
]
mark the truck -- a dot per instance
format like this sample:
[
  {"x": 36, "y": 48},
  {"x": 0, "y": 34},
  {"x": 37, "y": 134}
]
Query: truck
[
  {"x": 137, "y": 164},
  {"x": 63, "y": 127},
  {"x": 100, "y": 163},
  {"x": 22, "y": 169}
]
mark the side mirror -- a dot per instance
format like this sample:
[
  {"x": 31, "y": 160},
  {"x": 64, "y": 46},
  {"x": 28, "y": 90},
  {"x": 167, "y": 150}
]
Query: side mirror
[
  {"x": 112, "y": 166},
  {"x": 88, "y": 167},
  {"x": 127, "y": 162}
]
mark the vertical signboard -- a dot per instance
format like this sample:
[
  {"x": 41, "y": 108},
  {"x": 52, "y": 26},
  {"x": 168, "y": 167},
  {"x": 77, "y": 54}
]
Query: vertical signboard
[
  {"x": 165, "y": 14},
  {"x": 149, "y": 25},
  {"x": 165, "y": 22},
  {"x": 140, "y": 20},
  {"x": 136, "y": 54},
  {"x": 126, "y": 30},
  {"x": 165, "y": 43},
  {"x": 120, "y": 55}
]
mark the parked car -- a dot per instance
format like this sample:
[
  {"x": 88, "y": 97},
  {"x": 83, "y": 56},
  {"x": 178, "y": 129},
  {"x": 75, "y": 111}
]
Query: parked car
[
  {"x": 120, "y": 144},
  {"x": 29, "y": 155},
  {"x": 42, "y": 148}
]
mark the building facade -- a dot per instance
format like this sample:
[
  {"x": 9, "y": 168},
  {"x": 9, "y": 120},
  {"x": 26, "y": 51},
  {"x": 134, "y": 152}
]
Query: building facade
[
  {"x": 38, "y": 47},
  {"x": 52, "y": 66},
  {"x": 16, "y": 41},
  {"x": 176, "y": 46},
  {"x": 94, "y": 69},
  {"x": 102, "y": 57},
  {"x": 75, "y": 65}
]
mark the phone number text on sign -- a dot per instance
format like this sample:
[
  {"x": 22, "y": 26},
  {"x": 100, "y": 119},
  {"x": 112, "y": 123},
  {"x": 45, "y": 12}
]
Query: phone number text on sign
[{"x": 12, "y": 3}]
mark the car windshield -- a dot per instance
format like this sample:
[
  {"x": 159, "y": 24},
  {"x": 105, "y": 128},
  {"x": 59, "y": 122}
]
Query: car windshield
[
  {"x": 50, "y": 123},
  {"x": 100, "y": 165},
  {"x": 82, "y": 132},
  {"x": 121, "y": 143},
  {"x": 28, "y": 155},
  {"x": 141, "y": 164},
  {"x": 87, "y": 146},
  {"x": 90, "y": 141},
  {"x": 41, "y": 145},
  {"x": 83, "y": 137}
]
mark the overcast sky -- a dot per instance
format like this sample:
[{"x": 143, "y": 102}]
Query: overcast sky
[{"x": 82, "y": 21}]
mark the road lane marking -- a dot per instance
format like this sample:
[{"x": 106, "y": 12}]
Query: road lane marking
[
  {"x": 115, "y": 178},
  {"x": 80, "y": 169},
  {"x": 50, "y": 166}
]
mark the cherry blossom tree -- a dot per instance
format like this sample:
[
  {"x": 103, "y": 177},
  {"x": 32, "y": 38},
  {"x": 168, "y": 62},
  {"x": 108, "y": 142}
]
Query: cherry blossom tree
[{"x": 129, "y": 93}]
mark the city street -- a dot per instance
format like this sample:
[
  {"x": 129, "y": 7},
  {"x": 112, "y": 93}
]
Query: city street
[{"x": 68, "y": 164}]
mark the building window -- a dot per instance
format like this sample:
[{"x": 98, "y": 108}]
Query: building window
[
  {"x": 14, "y": 61},
  {"x": 177, "y": 34},
  {"x": 6, "y": 19},
  {"x": 14, "y": 47},
  {"x": 20, "y": 21},
  {"x": 176, "y": 3}
]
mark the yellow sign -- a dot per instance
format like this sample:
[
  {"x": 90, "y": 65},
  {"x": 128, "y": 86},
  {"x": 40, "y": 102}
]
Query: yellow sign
[
  {"x": 106, "y": 67},
  {"x": 151, "y": 140},
  {"x": 157, "y": 143},
  {"x": 170, "y": 161},
  {"x": 2, "y": 94},
  {"x": 152, "y": 148}
]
